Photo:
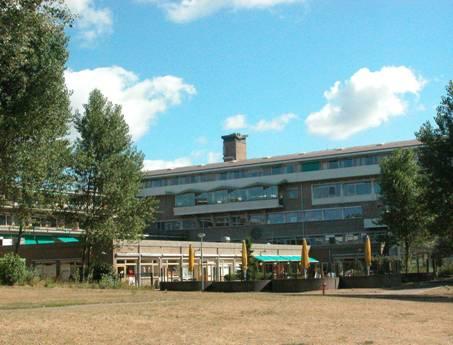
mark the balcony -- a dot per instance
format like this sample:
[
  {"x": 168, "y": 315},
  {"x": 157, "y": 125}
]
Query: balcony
[
  {"x": 13, "y": 229},
  {"x": 227, "y": 207}
]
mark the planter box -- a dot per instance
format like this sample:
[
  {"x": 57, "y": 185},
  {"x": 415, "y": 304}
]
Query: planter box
[
  {"x": 301, "y": 285},
  {"x": 183, "y": 286},
  {"x": 377, "y": 281},
  {"x": 239, "y": 286}
]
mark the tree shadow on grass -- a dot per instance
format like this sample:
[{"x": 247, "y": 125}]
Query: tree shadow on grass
[{"x": 400, "y": 297}]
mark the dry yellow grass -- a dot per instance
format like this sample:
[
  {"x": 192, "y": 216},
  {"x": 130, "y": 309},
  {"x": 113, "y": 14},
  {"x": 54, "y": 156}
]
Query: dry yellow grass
[{"x": 87, "y": 316}]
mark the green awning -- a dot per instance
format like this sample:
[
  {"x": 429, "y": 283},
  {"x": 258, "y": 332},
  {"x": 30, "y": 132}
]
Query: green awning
[
  {"x": 68, "y": 239},
  {"x": 45, "y": 240},
  {"x": 281, "y": 258}
]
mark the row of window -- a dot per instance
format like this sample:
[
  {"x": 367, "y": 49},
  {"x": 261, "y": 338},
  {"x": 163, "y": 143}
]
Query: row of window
[
  {"x": 348, "y": 237},
  {"x": 332, "y": 190},
  {"x": 226, "y": 196},
  {"x": 314, "y": 215},
  {"x": 264, "y": 171},
  {"x": 36, "y": 221}
]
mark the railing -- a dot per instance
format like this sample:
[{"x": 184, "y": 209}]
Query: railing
[{"x": 40, "y": 229}]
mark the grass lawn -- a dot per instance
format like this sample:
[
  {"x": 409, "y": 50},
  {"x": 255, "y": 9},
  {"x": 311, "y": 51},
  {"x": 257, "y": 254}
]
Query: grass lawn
[{"x": 90, "y": 316}]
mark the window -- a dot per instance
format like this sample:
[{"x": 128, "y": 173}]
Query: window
[
  {"x": 182, "y": 200},
  {"x": 277, "y": 170},
  {"x": 238, "y": 195},
  {"x": 292, "y": 193},
  {"x": 326, "y": 191},
  {"x": 276, "y": 218},
  {"x": 205, "y": 223},
  {"x": 220, "y": 197},
  {"x": 333, "y": 164},
  {"x": 314, "y": 240},
  {"x": 292, "y": 217},
  {"x": 352, "y": 237},
  {"x": 348, "y": 163},
  {"x": 221, "y": 221},
  {"x": 311, "y": 166},
  {"x": 289, "y": 169},
  {"x": 255, "y": 193},
  {"x": 271, "y": 192},
  {"x": 201, "y": 199},
  {"x": 238, "y": 220},
  {"x": 339, "y": 238},
  {"x": 352, "y": 212},
  {"x": 363, "y": 188},
  {"x": 313, "y": 215},
  {"x": 188, "y": 224},
  {"x": 357, "y": 188},
  {"x": 377, "y": 187},
  {"x": 257, "y": 219},
  {"x": 173, "y": 225},
  {"x": 333, "y": 214}
]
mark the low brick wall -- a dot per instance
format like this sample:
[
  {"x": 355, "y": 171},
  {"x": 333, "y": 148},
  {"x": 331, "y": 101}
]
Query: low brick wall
[
  {"x": 377, "y": 281},
  {"x": 301, "y": 285},
  {"x": 239, "y": 286},
  {"x": 183, "y": 286}
]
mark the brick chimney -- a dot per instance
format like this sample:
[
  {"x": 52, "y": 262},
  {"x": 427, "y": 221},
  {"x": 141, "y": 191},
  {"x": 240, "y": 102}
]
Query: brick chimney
[{"x": 234, "y": 147}]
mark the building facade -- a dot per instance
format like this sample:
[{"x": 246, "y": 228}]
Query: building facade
[{"x": 330, "y": 197}]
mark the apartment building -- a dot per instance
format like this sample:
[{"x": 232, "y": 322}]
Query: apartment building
[{"x": 329, "y": 197}]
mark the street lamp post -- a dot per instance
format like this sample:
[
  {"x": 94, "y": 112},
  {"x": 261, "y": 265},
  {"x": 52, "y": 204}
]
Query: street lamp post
[{"x": 201, "y": 235}]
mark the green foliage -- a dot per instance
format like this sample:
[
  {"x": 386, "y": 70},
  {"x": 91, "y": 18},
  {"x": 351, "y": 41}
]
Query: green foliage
[
  {"x": 109, "y": 281},
  {"x": 99, "y": 269},
  {"x": 107, "y": 176},
  {"x": 436, "y": 159},
  {"x": 401, "y": 194},
  {"x": 34, "y": 103},
  {"x": 12, "y": 269}
]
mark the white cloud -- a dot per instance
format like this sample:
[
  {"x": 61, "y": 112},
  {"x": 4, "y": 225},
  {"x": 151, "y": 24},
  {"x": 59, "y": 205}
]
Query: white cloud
[
  {"x": 276, "y": 124},
  {"x": 91, "y": 21},
  {"x": 183, "y": 11},
  {"x": 141, "y": 101},
  {"x": 366, "y": 100},
  {"x": 235, "y": 122},
  {"x": 161, "y": 164},
  {"x": 214, "y": 157},
  {"x": 196, "y": 157}
]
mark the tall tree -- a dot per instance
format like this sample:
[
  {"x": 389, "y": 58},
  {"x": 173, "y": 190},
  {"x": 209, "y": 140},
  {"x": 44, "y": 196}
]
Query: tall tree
[
  {"x": 107, "y": 174},
  {"x": 436, "y": 159},
  {"x": 401, "y": 195},
  {"x": 34, "y": 104}
]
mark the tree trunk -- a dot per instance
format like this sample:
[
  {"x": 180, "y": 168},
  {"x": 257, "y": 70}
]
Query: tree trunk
[
  {"x": 19, "y": 237},
  {"x": 84, "y": 250},
  {"x": 406, "y": 255}
]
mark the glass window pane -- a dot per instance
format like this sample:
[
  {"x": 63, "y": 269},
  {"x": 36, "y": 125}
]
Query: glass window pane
[
  {"x": 277, "y": 170},
  {"x": 313, "y": 215},
  {"x": 363, "y": 188},
  {"x": 348, "y": 163},
  {"x": 201, "y": 199},
  {"x": 311, "y": 166},
  {"x": 349, "y": 189},
  {"x": 333, "y": 214},
  {"x": 332, "y": 164},
  {"x": 257, "y": 219},
  {"x": 276, "y": 218},
  {"x": 271, "y": 192},
  {"x": 292, "y": 217},
  {"x": 352, "y": 212},
  {"x": 185, "y": 200},
  {"x": 255, "y": 193},
  {"x": 377, "y": 187}
]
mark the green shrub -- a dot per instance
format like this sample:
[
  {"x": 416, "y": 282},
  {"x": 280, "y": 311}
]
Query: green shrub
[
  {"x": 32, "y": 277},
  {"x": 446, "y": 269},
  {"x": 12, "y": 269},
  {"x": 109, "y": 281},
  {"x": 98, "y": 270}
]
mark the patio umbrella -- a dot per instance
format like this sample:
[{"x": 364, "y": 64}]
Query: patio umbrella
[
  {"x": 305, "y": 260},
  {"x": 367, "y": 254},
  {"x": 191, "y": 258},
  {"x": 244, "y": 255}
]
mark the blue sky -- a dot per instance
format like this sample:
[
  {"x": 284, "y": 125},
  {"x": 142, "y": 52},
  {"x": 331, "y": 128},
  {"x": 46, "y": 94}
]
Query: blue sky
[{"x": 295, "y": 75}]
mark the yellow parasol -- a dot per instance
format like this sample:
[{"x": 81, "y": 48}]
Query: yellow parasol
[
  {"x": 367, "y": 251},
  {"x": 191, "y": 258},
  {"x": 305, "y": 260},
  {"x": 244, "y": 256}
]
